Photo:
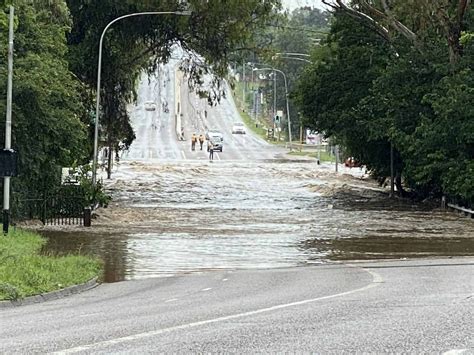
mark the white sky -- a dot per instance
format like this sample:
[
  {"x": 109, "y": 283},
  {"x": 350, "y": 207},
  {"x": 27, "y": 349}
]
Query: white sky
[{"x": 293, "y": 4}]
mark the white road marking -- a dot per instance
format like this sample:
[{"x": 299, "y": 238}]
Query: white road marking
[
  {"x": 224, "y": 280},
  {"x": 171, "y": 300},
  {"x": 376, "y": 281},
  {"x": 183, "y": 155},
  {"x": 455, "y": 352},
  {"x": 206, "y": 289}
]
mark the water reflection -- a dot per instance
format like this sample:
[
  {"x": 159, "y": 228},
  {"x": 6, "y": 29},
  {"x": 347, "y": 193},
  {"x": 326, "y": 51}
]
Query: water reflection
[{"x": 189, "y": 217}]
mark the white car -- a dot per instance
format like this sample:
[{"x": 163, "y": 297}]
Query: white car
[
  {"x": 214, "y": 134},
  {"x": 238, "y": 127},
  {"x": 150, "y": 106}
]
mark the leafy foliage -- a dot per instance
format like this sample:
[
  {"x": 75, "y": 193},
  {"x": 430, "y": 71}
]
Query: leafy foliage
[
  {"x": 47, "y": 130},
  {"x": 369, "y": 96}
]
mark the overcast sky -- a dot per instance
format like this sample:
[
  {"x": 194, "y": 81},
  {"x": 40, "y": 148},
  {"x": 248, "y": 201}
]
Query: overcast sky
[{"x": 293, "y": 4}]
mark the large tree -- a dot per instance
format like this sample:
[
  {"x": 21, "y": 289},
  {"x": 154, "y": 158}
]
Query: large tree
[
  {"x": 392, "y": 75},
  {"x": 209, "y": 35},
  {"x": 47, "y": 130}
]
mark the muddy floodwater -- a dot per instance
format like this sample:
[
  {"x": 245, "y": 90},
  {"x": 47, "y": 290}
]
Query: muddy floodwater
[{"x": 168, "y": 218}]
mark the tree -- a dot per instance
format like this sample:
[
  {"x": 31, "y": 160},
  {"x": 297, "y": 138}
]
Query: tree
[
  {"x": 413, "y": 20},
  {"x": 47, "y": 131},
  {"x": 213, "y": 31}
]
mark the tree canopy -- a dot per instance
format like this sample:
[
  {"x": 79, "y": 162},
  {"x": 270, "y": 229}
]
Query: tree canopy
[{"x": 399, "y": 75}]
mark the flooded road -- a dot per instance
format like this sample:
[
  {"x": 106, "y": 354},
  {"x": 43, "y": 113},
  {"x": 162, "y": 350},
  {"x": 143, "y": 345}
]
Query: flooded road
[
  {"x": 174, "y": 212},
  {"x": 180, "y": 217}
]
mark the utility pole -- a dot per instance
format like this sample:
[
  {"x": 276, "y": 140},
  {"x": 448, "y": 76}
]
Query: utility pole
[
  {"x": 8, "y": 124},
  {"x": 274, "y": 97},
  {"x": 99, "y": 70},
  {"x": 392, "y": 182},
  {"x": 243, "y": 86}
]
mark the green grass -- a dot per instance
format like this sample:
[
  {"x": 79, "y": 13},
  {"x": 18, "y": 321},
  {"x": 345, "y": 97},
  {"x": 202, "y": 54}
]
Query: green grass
[
  {"x": 325, "y": 156},
  {"x": 248, "y": 121},
  {"x": 25, "y": 272}
]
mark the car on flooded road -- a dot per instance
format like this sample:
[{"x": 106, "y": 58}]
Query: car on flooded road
[
  {"x": 214, "y": 133},
  {"x": 217, "y": 144},
  {"x": 238, "y": 128},
  {"x": 150, "y": 106}
]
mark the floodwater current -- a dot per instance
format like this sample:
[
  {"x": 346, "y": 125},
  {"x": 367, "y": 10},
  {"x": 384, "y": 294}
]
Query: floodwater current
[{"x": 169, "y": 218}]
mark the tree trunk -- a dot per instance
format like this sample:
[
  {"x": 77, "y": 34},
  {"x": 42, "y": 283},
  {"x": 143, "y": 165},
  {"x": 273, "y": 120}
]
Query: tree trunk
[{"x": 455, "y": 47}]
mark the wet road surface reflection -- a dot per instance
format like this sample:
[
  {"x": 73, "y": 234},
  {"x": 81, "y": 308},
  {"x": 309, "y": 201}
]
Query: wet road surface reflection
[{"x": 169, "y": 218}]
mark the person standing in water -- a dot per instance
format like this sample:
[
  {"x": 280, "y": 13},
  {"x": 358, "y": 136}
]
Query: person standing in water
[
  {"x": 211, "y": 151},
  {"x": 193, "y": 141},
  {"x": 201, "y": 140}
]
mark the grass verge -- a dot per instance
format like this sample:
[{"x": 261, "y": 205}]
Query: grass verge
[
  {"x": 25, "y": 272},
  {"x": 248, "y": 121}
]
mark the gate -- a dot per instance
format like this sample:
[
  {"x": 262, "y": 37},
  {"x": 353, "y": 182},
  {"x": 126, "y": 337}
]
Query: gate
[{"x": 66, "y": 205}]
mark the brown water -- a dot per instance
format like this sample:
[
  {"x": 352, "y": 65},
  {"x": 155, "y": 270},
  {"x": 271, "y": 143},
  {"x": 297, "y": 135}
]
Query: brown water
[{"x": 182, "y": 217}]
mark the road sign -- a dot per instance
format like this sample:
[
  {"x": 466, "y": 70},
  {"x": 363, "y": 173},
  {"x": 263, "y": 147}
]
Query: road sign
[{"x": 8, "y": 162}]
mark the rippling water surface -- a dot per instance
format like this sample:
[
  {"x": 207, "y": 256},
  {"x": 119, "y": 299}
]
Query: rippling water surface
[{"x": 179, "y": 217}]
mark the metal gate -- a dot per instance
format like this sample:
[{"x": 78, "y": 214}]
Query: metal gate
[{"x": 66, "y": 205}]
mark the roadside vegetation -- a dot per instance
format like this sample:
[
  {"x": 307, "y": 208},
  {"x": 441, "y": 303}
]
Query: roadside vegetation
[
  {"x": 55, "y": 76},
  {"x": 401, "y": 76},
  {"x": 258, "y": 127},
  {"x": 24, "y": 271}
]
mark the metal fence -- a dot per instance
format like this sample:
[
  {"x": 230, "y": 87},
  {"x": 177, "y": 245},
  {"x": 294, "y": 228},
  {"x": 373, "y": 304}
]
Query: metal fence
[{"x": 66, "y": 205}]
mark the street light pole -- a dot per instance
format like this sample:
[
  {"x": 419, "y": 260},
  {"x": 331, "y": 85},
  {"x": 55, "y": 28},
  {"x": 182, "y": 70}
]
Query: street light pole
[
  {"x": 287, "y": 103},
  {"x": 99, "y": 70},
  {"x": 243, "y": 85},
  {"x": 8, "y": 123}
]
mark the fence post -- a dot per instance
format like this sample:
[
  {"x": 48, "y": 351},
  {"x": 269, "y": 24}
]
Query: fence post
[{"x": 87, "y": 217}]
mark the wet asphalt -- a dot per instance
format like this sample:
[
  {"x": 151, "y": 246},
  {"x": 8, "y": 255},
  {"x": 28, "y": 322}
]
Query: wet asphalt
[
  {"x": 413, "y": 306},
  {"x": 254, "y": 252}
]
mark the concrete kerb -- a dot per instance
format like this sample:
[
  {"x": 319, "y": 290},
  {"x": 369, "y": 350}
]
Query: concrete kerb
[{"x": 53, "y": 295}]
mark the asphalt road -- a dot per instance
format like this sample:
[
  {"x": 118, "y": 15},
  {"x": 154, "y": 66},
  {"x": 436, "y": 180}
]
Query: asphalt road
[
  {"x": 422, "y": 306},
  {"x": 156, "y": 137},
  {"x": 405, "y": 306}
]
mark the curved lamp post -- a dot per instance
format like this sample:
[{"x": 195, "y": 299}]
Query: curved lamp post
[
  {"x": 294, "y": 56},
  {"x": 99, "y": 69},
  {"x": 286, "y": 96}
]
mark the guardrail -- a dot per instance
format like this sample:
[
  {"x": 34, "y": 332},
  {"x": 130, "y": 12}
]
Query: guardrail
[
  {"x": 460, "y": 209},
  {"x": 300, "y": 146}
]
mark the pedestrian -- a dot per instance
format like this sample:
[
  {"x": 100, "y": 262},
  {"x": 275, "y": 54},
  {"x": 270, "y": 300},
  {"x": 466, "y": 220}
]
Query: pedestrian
[
  {"x": 201, "y": 140},
  {"x": 211, "y": 151},
  {"x": 193, "y": 141}
]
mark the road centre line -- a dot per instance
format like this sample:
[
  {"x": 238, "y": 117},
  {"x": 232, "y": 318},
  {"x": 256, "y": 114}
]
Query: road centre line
[
  {"x": 455, "y": 352},
  {"x": 171, "y": 300},
  {"x": 376, "y": 281}
]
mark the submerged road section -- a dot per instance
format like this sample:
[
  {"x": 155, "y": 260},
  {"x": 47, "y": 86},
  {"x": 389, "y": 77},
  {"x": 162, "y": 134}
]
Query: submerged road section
[
  {"x": 421, "y": 306},
  {"x": 253, "y": 252},
  {"x": 253, "y": 207}
]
